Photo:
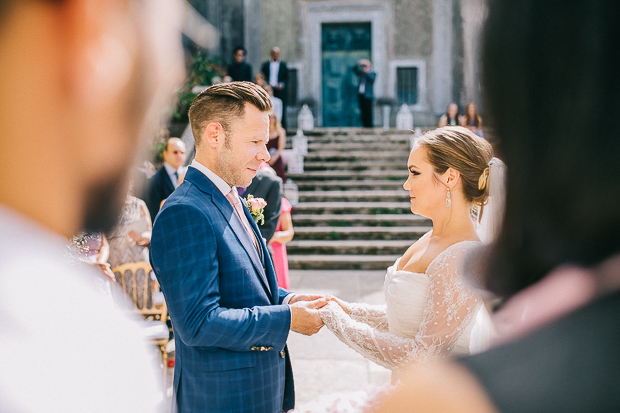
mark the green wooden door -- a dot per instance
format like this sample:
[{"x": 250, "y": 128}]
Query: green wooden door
[{"x": 342, "y": 45}]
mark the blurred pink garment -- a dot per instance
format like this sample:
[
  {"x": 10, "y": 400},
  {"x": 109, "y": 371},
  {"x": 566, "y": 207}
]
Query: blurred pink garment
[
  {"x": 280, "y": 259},
  {"x": 561, "y": 292}
]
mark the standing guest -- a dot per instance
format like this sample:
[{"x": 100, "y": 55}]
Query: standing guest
[
  {"x": 557, "y": 260},
  {"x": 284, "y": 233},
  {"x": 276, "y": 74},
  {"x": 451, "y": 117},
  {"x": 96, "y": 74},
  {"x": 239, "y": 70},
  {"x": 267, "y": 185},
  {"x": 472, "y": 120},
  {"x": 231, "y": 319},
  {"x": 166, "y": 179},
  {"x": 365, "y": 90},
  {"x": 277, "y": 102},
  {"x": 276, "y": 144}
]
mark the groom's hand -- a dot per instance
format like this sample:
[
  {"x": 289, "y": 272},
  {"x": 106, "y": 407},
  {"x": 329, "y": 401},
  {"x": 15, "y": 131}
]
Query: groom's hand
[{"x": 305, "y": 317}]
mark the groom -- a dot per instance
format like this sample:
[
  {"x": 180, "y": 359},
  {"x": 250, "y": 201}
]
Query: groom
[{"x": 230, "y": 319}]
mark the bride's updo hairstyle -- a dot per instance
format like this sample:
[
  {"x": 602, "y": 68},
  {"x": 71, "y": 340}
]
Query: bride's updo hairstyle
[{"x": 460, "y": 149}]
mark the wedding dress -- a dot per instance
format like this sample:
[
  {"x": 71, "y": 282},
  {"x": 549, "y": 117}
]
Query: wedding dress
[{"x": 426, "y": 316}]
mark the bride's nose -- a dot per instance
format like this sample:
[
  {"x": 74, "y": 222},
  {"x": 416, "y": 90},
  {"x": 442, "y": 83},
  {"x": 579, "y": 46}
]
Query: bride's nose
[{"x": 405, "y": 184}]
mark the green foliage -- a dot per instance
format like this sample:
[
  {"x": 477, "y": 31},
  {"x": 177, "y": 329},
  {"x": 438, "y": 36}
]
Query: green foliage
[{"x": 200, "y": 72}]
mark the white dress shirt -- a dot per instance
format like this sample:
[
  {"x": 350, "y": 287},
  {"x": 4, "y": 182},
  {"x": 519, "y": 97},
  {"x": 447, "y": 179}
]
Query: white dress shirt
[
  {"x": 67, "y": 347},
  {"x": 171, "y": 173},
  {"x": 274, "y": 70}
]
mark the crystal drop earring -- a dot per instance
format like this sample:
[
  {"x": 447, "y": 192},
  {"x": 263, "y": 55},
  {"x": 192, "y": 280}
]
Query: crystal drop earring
[{"x": 449, "y": 200}]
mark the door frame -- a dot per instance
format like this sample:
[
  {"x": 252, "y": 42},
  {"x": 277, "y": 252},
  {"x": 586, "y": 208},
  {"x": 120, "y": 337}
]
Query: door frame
[{"x": 345, "y": 12}]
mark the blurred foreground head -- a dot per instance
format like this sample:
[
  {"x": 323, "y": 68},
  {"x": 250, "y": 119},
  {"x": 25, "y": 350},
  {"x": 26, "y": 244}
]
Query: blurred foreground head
[
  {"x": 80, "y": 81},
  {"x": 552, "y": 85}
]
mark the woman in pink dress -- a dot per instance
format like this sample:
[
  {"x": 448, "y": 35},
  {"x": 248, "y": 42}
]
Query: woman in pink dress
[{"x": 284, "y": 233}]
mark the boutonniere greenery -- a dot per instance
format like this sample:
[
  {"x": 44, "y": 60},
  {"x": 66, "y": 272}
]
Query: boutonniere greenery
[{"x": 256, "y": 206}]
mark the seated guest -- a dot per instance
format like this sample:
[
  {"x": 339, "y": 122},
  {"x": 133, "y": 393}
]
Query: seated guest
[
  {"x": 166, "y": 179},
  {"x": 130, "y": 239},
  {"x": 451, "y": 117}
]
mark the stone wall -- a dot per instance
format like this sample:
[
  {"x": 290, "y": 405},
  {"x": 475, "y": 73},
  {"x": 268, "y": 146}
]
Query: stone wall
[{"x": 413, "y": 28}]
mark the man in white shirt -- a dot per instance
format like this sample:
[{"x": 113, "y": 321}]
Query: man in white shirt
[
  {"x": 276, "y": 73},
  {"x": 76, "y": 97}
]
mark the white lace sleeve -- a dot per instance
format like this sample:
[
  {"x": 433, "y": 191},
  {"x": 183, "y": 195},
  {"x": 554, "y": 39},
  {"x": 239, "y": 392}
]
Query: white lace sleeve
[
  {"x": 449, "y": 308},
  {"x": 373, "y": 315}
]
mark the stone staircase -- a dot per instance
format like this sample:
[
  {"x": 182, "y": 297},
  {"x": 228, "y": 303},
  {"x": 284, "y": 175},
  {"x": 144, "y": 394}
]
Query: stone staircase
[{"x": 353, "y": 212}]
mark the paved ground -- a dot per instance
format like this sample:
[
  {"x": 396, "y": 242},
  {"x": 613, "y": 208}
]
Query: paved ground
[{"x": 321, "y": 363}]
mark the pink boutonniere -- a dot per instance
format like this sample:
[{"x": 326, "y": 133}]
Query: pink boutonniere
[{"x": 256, "y": 207}]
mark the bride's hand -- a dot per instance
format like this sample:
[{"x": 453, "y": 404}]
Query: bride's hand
[{"x": 341, "y": 303}]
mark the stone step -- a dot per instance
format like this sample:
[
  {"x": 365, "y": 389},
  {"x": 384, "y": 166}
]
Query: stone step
[
  {"x": 341, "y": 262},
  {"x": 346, "y": 175},
  {"x": 360, "y": 233},
  {"x": 359, "y": 146},
  {"x": 359, "y": 220},
  {"x": 396, "y": 156},
  {"x": 403, "y": 139},
  {"x": 343, "y": 185},
  {"x": 347, "y": 131},
  {"x": 354, "y": 196},
  {"x": 372, "y": 208},
  {"x": 362, "y": 165},
  {"x": 346, "y": 247}
]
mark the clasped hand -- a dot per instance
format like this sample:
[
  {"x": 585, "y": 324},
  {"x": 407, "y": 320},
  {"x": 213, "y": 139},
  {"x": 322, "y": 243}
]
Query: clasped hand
[{"x": 305, "y": 317}]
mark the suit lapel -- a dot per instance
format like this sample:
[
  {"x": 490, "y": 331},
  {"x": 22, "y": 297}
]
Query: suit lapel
[
  {"x": 235, "y": 222},
  {"x": 268, "y": 265}
]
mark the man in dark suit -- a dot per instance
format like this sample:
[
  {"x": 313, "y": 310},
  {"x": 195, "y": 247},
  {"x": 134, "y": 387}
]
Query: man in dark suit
[
  {"x": 267, "y": 185},
  {"x": 239, "y": 70},
  {"x": 231, "y": 320},
  {"x": 276, "y": 74},
  {"x": 166, "y": 179},
  {"x": 365, "y": 91}
]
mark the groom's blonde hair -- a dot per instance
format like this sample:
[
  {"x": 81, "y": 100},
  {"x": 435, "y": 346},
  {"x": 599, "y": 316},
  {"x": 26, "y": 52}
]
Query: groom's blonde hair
[{"x": 224, "y": 103}]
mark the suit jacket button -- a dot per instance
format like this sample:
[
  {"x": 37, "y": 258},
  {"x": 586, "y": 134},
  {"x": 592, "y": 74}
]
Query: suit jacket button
[{"x": 282, "y": 354}]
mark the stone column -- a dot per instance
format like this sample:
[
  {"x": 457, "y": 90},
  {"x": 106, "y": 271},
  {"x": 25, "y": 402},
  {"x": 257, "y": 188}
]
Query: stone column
[
  {"x": 442, "y": 80},
  {"x": 252, "y": 32},
  {"x": 474, "y": 14}
]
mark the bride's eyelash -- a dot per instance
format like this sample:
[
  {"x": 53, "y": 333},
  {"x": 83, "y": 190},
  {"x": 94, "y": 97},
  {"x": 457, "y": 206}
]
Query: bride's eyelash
[{"x": 414, "y": 172}]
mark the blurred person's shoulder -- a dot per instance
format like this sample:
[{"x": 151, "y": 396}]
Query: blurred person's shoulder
[{"x": 66, "y": 347}]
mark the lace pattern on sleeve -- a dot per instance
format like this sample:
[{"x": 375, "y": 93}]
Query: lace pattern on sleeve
[
  {"x": 449, "y": 308},
  {"x": 373, "y": 315}
]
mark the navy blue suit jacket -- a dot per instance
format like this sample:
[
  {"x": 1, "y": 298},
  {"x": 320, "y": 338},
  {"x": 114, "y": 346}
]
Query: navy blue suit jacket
[
  {"x": 224, "y": 302},
  {"x": 159, "y": 188}
]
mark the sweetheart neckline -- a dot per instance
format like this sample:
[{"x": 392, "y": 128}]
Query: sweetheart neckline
[{"x": 395, "y": 265}]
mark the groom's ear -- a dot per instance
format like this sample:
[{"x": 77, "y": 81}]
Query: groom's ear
[{"x": 214, "y": 134}]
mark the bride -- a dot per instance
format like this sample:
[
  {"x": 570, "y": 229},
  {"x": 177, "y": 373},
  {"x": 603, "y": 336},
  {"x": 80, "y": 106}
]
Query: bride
[{"x": 430, "y": 311}]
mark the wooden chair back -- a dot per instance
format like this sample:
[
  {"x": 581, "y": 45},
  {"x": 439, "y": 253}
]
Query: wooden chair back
[{"x": 137, "y": 283}]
